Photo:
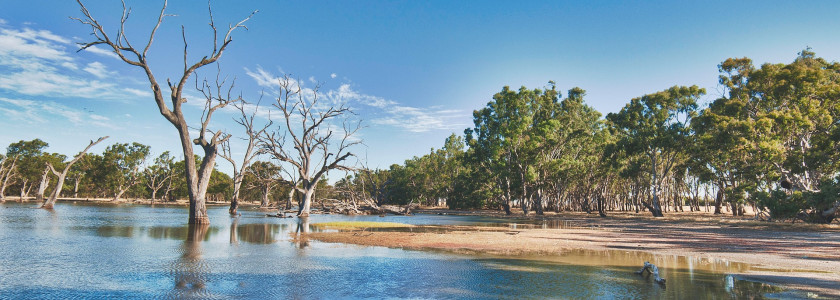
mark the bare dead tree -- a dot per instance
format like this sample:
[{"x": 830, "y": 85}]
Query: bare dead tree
[
  {"x": 7, "y": 172},
  {"x": 313, "y": 140},
  {"x": 197, "y": 177},
  {"x": 50, "y": 202},
  {"x": 251, "y": 150}
]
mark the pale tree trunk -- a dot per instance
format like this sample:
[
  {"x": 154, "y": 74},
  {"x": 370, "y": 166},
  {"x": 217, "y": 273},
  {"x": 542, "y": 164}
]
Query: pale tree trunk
[
  {"x": 234, "y": 199},
  {"x": 24, "y": 190},
  {"x": 265, "y": 196},
  {"x": 7, "y": 175},
  {"x": 197, "y": 179},
  {"x": 306, "y": 201},
  {"x": 291, "y": 195},
  {"x": 45, "y": 180},
  {"x": 49, "y": 203},
  {"x": 120, "y": 192},
  {"x": 76, "y": 187},
  {"x": 60, "y": 183}
]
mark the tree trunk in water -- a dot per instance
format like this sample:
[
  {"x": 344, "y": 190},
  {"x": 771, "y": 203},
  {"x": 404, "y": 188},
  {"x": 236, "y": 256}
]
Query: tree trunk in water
[
  {"x": 303, "y": 206},
  {"x": 49, "y": 203},
  {"x": 234, "y": 200},
  {"x": 198, "y": 179},
  {"x": 120, "y": 192},
  {"x": 45, "y": 180}
]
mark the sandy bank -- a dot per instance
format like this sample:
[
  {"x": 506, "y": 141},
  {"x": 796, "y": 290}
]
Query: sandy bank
[{"x": 804, "y": 257}]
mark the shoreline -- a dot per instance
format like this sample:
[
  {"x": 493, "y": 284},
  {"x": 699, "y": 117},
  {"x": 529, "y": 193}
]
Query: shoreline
[
  {"x": 180, "y": 202},
  {"x": 802, "y": 257}
]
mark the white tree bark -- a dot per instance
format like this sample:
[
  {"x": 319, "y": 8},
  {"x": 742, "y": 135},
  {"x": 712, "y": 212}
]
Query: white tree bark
[
  {"x": 311, "y": 137},
  {"x": 197, "y": 177},
  {"x": 63, "y": 174}
]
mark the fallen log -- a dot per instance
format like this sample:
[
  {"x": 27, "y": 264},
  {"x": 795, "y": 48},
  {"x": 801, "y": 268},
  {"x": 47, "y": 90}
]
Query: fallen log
[
  {"x": 652, "y": 269},
  {"x": 397, "y": 210}
]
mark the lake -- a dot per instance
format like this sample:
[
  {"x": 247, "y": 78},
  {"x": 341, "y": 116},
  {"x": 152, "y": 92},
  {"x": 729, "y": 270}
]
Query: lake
[{"x": 82, "y": 250}]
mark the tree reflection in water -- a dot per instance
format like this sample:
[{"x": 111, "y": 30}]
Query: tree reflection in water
[
  {"x": 190, "y": 271},
  {"x": 234, "y": 237},
  {"x": 259, "y": 233},
  {"x": 300, "y": 238}
]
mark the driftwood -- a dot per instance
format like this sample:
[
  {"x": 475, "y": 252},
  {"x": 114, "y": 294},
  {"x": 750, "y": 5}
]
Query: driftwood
[
  {"x": 397, "y": 210},
  {"x": 369, "y": 208},
  {"x": 652, "y": 269}
]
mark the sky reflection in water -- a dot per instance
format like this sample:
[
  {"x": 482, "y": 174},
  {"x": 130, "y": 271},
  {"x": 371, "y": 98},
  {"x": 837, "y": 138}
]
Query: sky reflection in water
[{"x": 126, "y": 251}]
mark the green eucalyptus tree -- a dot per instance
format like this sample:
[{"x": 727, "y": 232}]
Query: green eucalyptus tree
[
  {"x": 787, "y": 118},
  {"x": 159, "y": 174},
  {"x": 656, "y": 126},
  {"x": 122, "y": 162},
  {"x": 29, "y": 163}
]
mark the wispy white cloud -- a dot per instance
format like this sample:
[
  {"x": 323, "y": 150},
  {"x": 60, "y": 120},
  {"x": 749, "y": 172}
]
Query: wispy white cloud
[
  {"x": 98, "y": 69},
  {"x": 40, "y": 112},
  {"x": 416, "y": 119},
  {"x": 3, "y": 22},
  {"x": 385, "y": 112},
  {"x": 264, "y": 78},
  {"x": 17, "y": 45},
  {"x": 333, "y": 75},
  {"x": 346, "y": 92},
  {"x": 41, "y": 63}
]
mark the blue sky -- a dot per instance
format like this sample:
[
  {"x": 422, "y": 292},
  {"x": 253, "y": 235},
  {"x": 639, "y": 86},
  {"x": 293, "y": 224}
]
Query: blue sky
[{"x": 413, "y": 71}]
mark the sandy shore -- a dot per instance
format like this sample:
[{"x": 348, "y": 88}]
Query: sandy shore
[{"x": 799, "y": 256}]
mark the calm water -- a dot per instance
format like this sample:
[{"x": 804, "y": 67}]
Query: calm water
[{"x": 126, "y": 251}]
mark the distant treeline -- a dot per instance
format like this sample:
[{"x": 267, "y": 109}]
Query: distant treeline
[
  {"x": 771, "y": 141},
  {"x": 124, "y": 171}
]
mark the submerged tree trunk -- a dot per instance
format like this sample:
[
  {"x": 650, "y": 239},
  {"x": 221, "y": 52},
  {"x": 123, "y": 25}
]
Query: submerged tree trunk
[
  {"x": 234, "y": 200},
  {"x": 45, "y": 180},
  {"x": 305, "y": 203},
  {"x": 63, "y": 174}
]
